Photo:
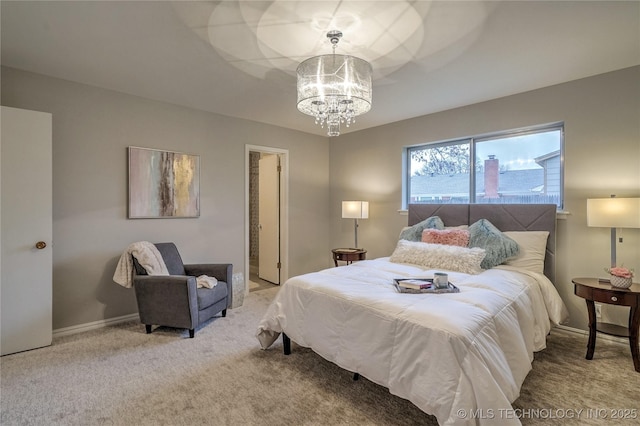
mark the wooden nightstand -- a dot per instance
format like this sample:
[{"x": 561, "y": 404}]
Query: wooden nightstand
[
  {"x": 593, "y": 290},
  {"x": 348, "y": 255}
]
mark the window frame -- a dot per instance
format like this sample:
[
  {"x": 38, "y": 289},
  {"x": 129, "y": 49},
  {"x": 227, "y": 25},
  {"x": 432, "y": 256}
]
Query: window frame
[{"x": 473, "y": 141}]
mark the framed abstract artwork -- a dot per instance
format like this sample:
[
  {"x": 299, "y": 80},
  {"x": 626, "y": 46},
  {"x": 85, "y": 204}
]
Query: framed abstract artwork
[{"x": 163, "y": 184}]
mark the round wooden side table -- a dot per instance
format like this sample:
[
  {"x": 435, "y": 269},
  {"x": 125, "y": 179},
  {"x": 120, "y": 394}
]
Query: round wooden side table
[
  {"x": 594, "y": 290},
  {"x": 348, "y": 255}
]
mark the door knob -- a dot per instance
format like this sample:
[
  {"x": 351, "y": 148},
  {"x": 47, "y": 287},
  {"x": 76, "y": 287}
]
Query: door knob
[{"x": 40, "y": 245}]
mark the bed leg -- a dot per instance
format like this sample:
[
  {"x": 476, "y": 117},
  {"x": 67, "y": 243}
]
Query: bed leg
[
  {"x": 286, "y": 342},
  {"x": 356, "y": 376}
]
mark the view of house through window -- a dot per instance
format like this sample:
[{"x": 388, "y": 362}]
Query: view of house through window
[{"x": 521, "y": 167}]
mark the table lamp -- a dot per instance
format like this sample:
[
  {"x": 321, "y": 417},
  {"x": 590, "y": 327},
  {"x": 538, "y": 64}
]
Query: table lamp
[
  {"x": 355, "y": 210},
  {"x": 613, "y": 213}
]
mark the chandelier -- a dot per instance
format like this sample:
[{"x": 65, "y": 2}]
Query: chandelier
[{"x": 334, "y": 88}]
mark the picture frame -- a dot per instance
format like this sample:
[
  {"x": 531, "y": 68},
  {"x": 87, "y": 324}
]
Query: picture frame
[{"x": 163, "y": 184}]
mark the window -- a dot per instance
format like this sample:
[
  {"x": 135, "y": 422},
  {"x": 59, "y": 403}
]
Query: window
[{"x": 522, "y": 166}]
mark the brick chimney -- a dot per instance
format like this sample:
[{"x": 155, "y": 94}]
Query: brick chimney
[{"x": 491, "y": 176}]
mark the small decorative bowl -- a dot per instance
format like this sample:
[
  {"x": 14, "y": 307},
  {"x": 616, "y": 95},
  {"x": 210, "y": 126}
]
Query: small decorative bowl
[{"x": 620, "y": 282}]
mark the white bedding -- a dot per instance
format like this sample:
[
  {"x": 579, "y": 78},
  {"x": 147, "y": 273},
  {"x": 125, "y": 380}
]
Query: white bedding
[{"x": 444, "y": 352}]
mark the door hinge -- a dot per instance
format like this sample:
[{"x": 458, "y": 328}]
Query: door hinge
[
  {"x": 279, "y": 168},
  {"x": 279, "y": 266}
]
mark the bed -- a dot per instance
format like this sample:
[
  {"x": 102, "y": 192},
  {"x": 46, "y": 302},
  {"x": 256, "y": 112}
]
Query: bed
[{"x": 469, "y": 350}]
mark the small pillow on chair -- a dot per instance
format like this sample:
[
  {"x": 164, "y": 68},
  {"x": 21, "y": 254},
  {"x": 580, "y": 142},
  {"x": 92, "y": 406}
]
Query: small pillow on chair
[{"x": 204, "y": 281}]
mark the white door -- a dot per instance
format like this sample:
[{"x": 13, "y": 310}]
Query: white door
[
  {"x": 268, "y": 218},
  {"x": 26, "y": 218}
]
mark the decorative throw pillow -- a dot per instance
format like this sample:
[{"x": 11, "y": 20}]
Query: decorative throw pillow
[
  {"x": 414, "y": 233},
  {"x": 449, "y": 237},
  {"x": 533, "y": 249},
  {"x": 498, "y": 246},
  {"x": 437, "y": 256}
]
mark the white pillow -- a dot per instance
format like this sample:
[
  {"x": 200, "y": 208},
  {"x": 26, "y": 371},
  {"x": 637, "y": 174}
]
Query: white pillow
[
  {"x": 457, "y": 227},
  {"x": 533, "y": 247},
  {"x": 437, "y": 256}
]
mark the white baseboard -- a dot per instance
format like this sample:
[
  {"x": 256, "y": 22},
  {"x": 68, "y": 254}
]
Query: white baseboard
[
  {"x": 607, "y": 337},
  {"x": 80, "y": 328}
]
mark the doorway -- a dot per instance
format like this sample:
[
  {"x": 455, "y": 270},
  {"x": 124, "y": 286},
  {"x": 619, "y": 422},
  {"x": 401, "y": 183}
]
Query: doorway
[{"x": 266, "y": 219}]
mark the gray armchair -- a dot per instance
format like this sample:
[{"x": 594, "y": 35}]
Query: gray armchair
[{"x": 174, "y": 300}]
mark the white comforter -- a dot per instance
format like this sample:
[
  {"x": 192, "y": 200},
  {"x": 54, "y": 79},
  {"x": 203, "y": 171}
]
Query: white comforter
[{"x": 444, "y": 352}]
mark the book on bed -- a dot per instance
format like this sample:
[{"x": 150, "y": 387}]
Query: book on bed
[
  {"x": 421, "y": 285},
  {"x": 415, "y": 283}
]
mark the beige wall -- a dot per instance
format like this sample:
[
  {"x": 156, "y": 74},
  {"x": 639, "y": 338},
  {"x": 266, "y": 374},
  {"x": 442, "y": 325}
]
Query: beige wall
[
  {"x": 602, "y": 157},
  {"x": 92, "y": 129}
]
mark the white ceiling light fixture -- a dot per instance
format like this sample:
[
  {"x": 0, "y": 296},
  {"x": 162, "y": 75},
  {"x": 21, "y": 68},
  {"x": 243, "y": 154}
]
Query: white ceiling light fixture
[{"x": 334, "y": 88}]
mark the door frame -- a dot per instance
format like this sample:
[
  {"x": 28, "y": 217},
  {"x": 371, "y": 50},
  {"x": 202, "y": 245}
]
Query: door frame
[{"x": 283, "y": 154}]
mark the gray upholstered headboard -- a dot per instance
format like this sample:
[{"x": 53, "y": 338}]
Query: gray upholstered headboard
[{"x": 506, "y": 217}]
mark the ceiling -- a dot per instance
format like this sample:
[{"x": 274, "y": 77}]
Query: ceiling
[{"x": 238, "y": 58}]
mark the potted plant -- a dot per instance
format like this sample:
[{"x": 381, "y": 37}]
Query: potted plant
[{"x": 620, "y": 276}]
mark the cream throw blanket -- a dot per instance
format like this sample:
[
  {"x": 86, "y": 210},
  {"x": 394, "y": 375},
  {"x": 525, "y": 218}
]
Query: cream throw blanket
[
  {"x": 147, "y": 256},
  {"x": 151, "y": 260}
]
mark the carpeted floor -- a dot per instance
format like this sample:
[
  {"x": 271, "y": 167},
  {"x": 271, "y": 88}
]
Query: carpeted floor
[
  {"x": 258, "y": 284},
  {"x": 121, "y": 376}
]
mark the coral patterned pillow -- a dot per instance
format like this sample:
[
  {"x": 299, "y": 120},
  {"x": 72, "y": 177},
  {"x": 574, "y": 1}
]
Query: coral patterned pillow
[{"x": 449, "y": 237}]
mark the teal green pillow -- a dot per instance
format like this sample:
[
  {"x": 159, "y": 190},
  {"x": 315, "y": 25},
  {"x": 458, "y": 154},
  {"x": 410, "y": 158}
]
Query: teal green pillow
[
  {"x": 414, "y": 233},
  {"x": 497, "y": 245}
]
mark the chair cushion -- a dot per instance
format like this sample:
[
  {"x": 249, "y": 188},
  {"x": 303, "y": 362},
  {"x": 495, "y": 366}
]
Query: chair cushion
[{"x": 209, "y": 296}]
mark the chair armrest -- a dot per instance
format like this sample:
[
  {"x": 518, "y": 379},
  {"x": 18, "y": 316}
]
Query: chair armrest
[
  {"x": 220, "y": 271},
  {"x": 155, "y": 293}
]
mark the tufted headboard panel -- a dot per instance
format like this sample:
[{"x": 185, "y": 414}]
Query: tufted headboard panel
[{"x": 506, "y": 217}]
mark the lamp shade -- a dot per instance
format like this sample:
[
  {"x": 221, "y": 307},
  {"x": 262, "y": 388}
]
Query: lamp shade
[
  {"x": 355, "y": 209},
  {"x": 334, "y": 88},
  {"x": 324, "y": 77},
  {"x": 613, "y": 212}
]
